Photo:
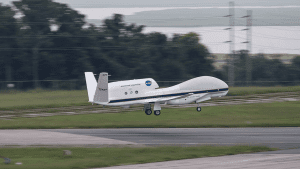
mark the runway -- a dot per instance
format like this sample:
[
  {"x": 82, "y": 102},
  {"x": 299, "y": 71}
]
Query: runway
[
  {"x": 287, "y": 139},
  {"x": 283, "y": 138}
]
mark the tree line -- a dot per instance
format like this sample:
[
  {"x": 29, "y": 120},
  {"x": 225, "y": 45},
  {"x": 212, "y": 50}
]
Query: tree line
[
  {"x": 51, "y": 41},
  {"x": 264, "y": 72}
]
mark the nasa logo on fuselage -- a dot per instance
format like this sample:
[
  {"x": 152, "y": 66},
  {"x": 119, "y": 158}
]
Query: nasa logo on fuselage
[
  {"x": 102, "y": 89},
  {"x": 148, "y": 83}
]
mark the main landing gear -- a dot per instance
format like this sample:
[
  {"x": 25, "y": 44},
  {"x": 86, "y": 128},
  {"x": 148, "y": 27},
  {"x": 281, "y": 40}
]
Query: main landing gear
[
  {"x": 147, "y": 108},
  {"x": 148, "y": 111},
  {"x": 157, "y": 112}
]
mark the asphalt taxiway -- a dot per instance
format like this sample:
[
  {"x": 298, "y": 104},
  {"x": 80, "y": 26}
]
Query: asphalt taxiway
[
  {"x": 279, "y": 137},
  {"x": 241, "y": 161},
  {"x": 287, "y": 139},
  {"x": 283, "y": 138}
]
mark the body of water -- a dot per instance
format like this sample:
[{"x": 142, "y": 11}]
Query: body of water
[
  {"x": 265, "y": 39},
  {"x": 102, "y": 13}
]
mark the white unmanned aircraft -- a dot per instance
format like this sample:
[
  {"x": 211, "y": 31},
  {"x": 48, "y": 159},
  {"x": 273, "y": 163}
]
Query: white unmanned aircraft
[{"x": 146, "y": 92}]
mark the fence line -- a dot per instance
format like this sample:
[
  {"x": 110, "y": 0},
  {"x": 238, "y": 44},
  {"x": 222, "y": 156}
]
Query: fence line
[{"x": 79, "y": 84}]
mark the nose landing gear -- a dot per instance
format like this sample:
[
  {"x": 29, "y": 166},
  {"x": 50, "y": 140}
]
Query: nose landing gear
[{"x": 198, "y": 108}]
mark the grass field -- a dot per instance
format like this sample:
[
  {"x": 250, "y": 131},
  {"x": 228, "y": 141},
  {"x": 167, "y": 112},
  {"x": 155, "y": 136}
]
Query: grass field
[
  {"x": 10, "y": 100},
  {"x": 42, "y": 99},
  {"x": 243, "y": 91},
  {"x": 278, "y": 114},
  {"x": 52, "y": 158}
]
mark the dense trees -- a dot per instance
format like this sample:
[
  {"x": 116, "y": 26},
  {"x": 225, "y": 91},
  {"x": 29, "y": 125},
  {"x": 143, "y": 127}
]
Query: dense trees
[
  {"x": 55, "y": 42},
  {"x": 8, "y": 28},
  {"x": 51, "y": 41},
  {"x": 265, "y": 71}
]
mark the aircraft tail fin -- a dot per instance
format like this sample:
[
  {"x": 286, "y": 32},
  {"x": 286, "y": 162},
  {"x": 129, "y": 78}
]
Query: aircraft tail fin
[
  {"x": 101, "y": 93},
  {"x": 91, "y": 85}
]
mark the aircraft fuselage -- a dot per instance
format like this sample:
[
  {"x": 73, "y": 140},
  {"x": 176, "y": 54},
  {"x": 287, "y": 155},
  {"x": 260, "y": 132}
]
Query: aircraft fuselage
[{"x": 146, "y": 91}]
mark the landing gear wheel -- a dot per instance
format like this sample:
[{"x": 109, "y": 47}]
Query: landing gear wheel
[
  {"x": 148, "y": 111},
  {"x": 198, "y": 108},
  {"x": 157, "y": 112}
]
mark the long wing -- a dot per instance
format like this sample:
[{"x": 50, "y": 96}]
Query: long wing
[
  {"x": 203, "y": 97},
  {"x": 167, "y": 98}
]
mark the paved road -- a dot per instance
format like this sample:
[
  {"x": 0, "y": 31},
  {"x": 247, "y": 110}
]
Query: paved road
[
  {"x": 47, "y": 138},
  {"x": 283, "y": 138},
  {"x": 241, "y": 161}
]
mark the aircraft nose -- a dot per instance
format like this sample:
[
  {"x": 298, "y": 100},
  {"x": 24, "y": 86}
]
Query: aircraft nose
[{"x": 221, "y": 84}]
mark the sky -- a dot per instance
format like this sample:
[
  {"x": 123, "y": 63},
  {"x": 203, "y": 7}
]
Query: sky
[{"x": 168, "y": 3}]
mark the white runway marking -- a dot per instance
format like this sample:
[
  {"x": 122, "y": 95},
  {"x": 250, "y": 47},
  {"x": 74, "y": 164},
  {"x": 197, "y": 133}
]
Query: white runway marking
[{"x": 38, "y": 137}]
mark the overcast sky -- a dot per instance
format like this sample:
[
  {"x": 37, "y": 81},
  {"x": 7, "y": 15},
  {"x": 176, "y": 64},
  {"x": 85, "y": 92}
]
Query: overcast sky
[{"x": 168, "y": 3}]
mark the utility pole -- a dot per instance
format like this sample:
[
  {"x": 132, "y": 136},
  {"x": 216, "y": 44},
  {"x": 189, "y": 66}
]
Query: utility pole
[
  {"x": 249, "y": 47},
  {"x": 230, "y": 61}
]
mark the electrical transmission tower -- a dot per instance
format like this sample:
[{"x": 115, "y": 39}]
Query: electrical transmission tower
[
  {"x": 230, "y": 61},
  {"x": 249, "y": 47}
]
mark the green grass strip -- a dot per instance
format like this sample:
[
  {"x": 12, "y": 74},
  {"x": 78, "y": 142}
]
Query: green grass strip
[
  {"x": 52, "y": 158},
  {"x": 19, "y": 100},
  {"x": 278, "y": 114},
  {"x": 15, "y": 100},
  {"x": 243, "y": 91}
]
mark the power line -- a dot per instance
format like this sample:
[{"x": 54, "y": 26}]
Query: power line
[
  {"x": 240, "y": 37},
  {"x": 282, "y": 29},
  {"x": 101, "y": 47},
  {"x": 90, "y": 35},
  {"x": 274, "y": 23},
  {"x": 72, "y": 36},
  {"x": 272, "y": 47},
  {"x": 280, "y": 24},
  {"x": 198, "y": 18},
  {"x": 276, "y": 37}
]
